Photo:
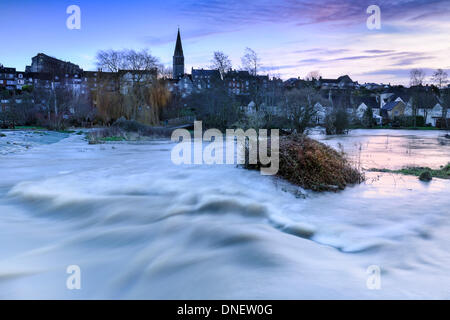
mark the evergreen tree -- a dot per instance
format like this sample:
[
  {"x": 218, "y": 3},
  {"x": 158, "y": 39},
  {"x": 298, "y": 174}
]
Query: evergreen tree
[{"x": 367, "y": 119}]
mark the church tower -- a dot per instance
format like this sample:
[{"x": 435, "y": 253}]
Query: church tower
[{"x": 178, "y": 59}]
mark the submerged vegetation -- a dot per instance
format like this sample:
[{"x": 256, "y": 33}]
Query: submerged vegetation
[
  {"x": 315, "y": 166},
  {"x": 424, "y": 173},
  {"x": 127, "y": 130}
]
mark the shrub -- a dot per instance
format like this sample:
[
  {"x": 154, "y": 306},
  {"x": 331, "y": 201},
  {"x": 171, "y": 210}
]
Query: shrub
[
  {"x": 128, "y": 125},
  {"x": 121, "y": 129},
  {"x": 337, "y": 122},
  {"x": 425, "y": 176},
  {"x": 314, "y": 165},
  {"x": 408, "y": 121},
  {"x": 367, "y": 119},
  {"x": 423, "y": 173}
]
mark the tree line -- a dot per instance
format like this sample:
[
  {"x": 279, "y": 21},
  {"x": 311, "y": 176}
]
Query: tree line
[{"x": 146, "y": 97}]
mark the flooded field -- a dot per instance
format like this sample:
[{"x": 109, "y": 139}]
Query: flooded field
[{"x": 393, "y": 149}]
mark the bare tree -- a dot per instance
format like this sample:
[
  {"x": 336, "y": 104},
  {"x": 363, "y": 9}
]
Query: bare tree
[
  {"x": 299, "y": 107},
  {"x": 313, "y": 75},
  {"x": 110, "y": 60},
  {"x": 439, "y": 78},
  {"x": 416, "y": 77},
  {"x": 113, "y": 61},
  {"x": 137, "y": 71},
  {"x": 215, "y": 107},
  {"x": 251, "y": 61},
  {"x": 445, "y": 103},
  {"x": 165, "y": 72},
  {"x": 422, "y": 98},
  {"x": 221, "y": 62}
]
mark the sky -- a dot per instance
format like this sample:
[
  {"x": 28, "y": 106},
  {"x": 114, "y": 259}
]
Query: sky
[{"x": 292, "y": 37}]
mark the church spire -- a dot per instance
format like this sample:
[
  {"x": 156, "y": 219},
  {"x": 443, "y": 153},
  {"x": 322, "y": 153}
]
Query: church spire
[
  {"x": 179, "y": 46},
  {"x": 178, "y": 58}
]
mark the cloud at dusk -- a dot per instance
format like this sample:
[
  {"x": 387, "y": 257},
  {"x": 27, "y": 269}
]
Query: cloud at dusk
[{"x": 292, "y": 37}]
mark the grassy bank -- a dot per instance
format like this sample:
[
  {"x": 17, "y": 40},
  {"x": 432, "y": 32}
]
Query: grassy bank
[
  {"x": 39, "y": 128},
  {"x": 442, "y": 173},
  {"x": 397, "y": 128},
  {"x": 29, "y": 128},
  {"x": 127, "y": 130}
]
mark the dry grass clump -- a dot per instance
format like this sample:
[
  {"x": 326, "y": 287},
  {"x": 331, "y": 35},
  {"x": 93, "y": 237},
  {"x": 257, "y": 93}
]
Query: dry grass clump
[{"x": 315, "y": 166}]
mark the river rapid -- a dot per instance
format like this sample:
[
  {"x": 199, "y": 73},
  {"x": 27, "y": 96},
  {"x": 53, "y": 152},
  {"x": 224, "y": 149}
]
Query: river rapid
[{"x": 140, "y": 227}]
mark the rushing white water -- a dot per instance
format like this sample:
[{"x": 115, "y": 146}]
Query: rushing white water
[{"x": 140, "y": 227}]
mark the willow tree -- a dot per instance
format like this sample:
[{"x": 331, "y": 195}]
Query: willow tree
[
  {"x": 108, "y": 100},
  {"x": 135, "y": 73},
  {"x": 157, "y": 98}
]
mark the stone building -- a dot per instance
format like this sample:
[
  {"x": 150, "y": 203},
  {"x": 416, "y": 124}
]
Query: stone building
[{"x": 42, "y": 63}]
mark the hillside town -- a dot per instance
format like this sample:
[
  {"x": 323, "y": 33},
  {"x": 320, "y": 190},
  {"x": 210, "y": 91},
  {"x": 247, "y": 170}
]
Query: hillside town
[{"x": 54, "y": 93}]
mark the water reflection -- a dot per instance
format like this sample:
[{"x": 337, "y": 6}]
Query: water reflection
[{"x": 393, "y": 149}]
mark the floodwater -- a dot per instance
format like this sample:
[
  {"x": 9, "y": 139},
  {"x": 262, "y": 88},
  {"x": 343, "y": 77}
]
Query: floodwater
[
  {"x": 140, "y": 227},
  {"x": 393, "y": 149}
]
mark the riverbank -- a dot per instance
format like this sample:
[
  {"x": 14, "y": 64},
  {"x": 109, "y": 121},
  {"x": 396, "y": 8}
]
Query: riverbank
[
  {"x": 442, "y": 173},
  {"x": 397, "y": 128}
]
